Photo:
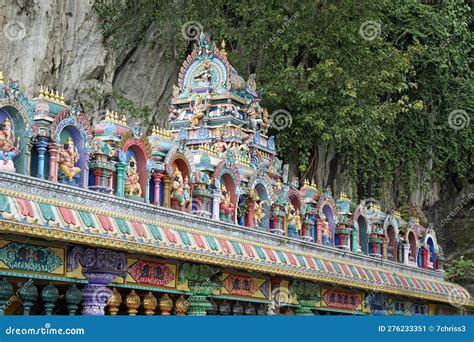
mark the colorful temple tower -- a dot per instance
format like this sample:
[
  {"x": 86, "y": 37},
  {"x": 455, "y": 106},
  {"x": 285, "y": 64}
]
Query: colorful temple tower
[{"x": 197, "y": 219}]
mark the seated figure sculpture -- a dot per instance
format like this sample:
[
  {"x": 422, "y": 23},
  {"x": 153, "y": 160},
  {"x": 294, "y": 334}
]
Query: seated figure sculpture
[
  {"x": 68, "y": 157},
  {"x": 132, "y": 179},
  {"x": 178, "y": 195},
  {"x": 9, "y": 147},
  {"x": 226, "y": 207}
]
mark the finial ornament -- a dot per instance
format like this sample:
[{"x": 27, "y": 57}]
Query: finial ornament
[
  {"x": 223, "y": 47},
  {"x": 1, "y": 77}
]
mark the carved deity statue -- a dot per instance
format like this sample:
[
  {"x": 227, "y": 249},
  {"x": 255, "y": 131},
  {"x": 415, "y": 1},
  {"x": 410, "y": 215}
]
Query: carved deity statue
[
  {"x": 220, "y": 146},
  {"x": 258, "y": 212},
  {"x": 9, "y": 147},
  {"x": 254, "y": 115},
  {"x": 298, "y": 221},
  {"x": 291, "y": 218},
  {"x": 132, "y": 179},
  {"x": 226, "y": 206},
  {"x": 68, "y": 157},
  {"x": 197, "y": 112},
  {"x": 326, "y": 231},
  {"x": 177, "y": 188}
]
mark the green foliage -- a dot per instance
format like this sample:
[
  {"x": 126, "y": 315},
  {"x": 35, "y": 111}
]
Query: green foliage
[
  {"x": 383, "y": 103},
  {"x": 460, "y": 269}
]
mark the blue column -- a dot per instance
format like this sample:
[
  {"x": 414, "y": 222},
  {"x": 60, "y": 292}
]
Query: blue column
[{"x": 41, "y": 147}]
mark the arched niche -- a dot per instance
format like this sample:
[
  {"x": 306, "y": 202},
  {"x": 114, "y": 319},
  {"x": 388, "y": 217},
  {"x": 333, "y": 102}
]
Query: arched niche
[
  {"x": 432, "y": 246},
  {"x": 327, "y": 206},
  {"x": 134, "y": 153},
  {"x": 262, "y": 200},
  {"x": 363, "y": 234},
  {"x": 70, "y": 125},
  {"x": 228, "y": 177},
  {"x": 293, "y": 196},
  {"x": 391, "y": 231},
  {"x": 412, "y": 247},
  {"x": 179, "y": 159},
  {"x": 18, "y": 118}
]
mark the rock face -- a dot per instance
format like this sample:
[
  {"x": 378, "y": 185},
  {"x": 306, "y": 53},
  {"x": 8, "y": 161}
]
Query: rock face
[{"x": 58, "y": 43}]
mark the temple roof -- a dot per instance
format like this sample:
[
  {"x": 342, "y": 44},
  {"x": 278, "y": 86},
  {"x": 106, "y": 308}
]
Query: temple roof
[{"x": 28, "y": 214}]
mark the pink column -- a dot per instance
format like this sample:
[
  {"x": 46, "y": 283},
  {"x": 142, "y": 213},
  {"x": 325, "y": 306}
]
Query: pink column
[
  {"x": 156, "y": 181},
  {"x": 53, "y": 162}
]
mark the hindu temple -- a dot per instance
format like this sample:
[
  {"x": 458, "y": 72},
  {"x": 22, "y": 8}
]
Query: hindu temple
[{"x": 201, "y": 218}]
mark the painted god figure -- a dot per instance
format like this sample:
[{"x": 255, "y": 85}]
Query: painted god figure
[
  {"x": 326, "y": 232},
  {"x": 198, "y": 112},
  {"x": 132, "y": 179},
  {"x": 9, "y": 147},
  {"x": 226, "y": 206},
  {"x": 177, "y": 190},
  {"x": 220, "y": 146},
  {"x": 292, "y": 220},
  {"x": 68, "y": 157},
  {"x": 258, "y": 212}
]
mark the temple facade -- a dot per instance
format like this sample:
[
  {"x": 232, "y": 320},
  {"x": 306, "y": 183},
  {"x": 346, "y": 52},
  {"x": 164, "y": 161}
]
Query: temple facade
[{"x": 198, "y": 219}]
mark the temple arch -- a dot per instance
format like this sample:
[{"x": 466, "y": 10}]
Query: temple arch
[
  {"x": 391, "y": 231},
  {"x": 228, "y": 178},
  {"x": 412, "y": 254},
  {"x": 14, "y": 123},
  {"x": 327, "y": 207}
]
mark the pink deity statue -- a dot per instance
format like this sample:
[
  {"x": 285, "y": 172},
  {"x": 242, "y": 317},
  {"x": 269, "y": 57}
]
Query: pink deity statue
[
  {"x": 132, "y": 179},
  {"x": 9, "y": 146},
  {"x": 68, "y": 157}
]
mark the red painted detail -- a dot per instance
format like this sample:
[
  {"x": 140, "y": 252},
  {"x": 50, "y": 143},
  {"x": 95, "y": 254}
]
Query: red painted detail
[
  {"x": 402, "y": 279},
  {"x": 345, "y": 269},
  {"x": 342, "y": 300},
  {"x": 271, "y": 254},
  {"x": 249, "y": 250},
  {"x": 416, "y": 283},
  {"x": 440, "y": 289},
  {"x": 292, "y": 258},
  {"x": 151, "y": 273},
  {"x": 170, "y": 235},
  {"x": 67, "y": 215},
  {"x": 199, "y": 241},
  {"x": 240, "y": 285},
  {"x": 310, "y": 262},
  {"x": 139, "y": 230},
  {"x": 328, "y": 266},
  {"x": 361, "y": 272},
  {"x": 376, "y": 276},
  {"x": 225, "y": 245},
  {"x": 105, "y": 222},
  {"x": 26, "y": 208},
  {"x": 390, "y": 278}
]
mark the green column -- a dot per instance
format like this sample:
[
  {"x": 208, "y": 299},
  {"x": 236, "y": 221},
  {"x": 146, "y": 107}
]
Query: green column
[
  {"x": 307, "y": 294},
  {"x": 201, "y": 281},
  {"x": 121, "y": 167}
]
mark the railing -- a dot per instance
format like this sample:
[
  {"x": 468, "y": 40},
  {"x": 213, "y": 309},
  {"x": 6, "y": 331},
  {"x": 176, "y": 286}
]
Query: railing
[{"x": 88, "y": 198}]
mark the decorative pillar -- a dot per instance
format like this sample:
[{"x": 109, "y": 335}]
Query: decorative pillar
[
  {"x": 406, "y": 249},
  {"x": 199, "y": 279},
  {"x": 385, "y": 249},
  {"x": 166, "y": 191},
  {"x": 307, "y": 294},
  {"x": 166, "y": 304},
  {"x": 28, "y": 295},
  {"x": 53, "y": 162},
  {"x": 100, "y": 267},
  {"x": 6, "y": 291},
  {"x": 121, "y": 168},
  {"x": 251, "y": 207},
  {"x": 49, "y": 295},
  {"x": 149, "y": 304},
  {"x": 216, "y": 200},
  {"x": 132, "y": 302},
  {"x": 114, "y": 302},
  {"x": 147, "y": 188},
  {"x": 355, "y": 241},
  {"x": 319, "y": 231},
  {"x": 73, "y": 299},
  {"x": 308, "y": 229},
  {"x": 41, "y": 147},
  {"x": 156, "y": 182}
]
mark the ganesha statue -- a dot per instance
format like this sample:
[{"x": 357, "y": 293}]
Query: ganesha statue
[
  {"x": 226, "y": 207},
  {"x": 180, "y": 191},
  {"x": 132, "y": 179},
  {"x": 9, "y": 146},
  {"x": 68, "y": 158}
]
